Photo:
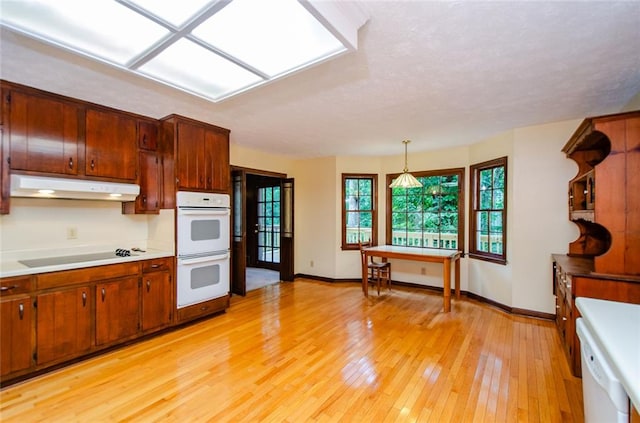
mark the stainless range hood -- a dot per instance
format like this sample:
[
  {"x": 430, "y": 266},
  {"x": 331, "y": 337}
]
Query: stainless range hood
[{"x": 45, "y": 187}]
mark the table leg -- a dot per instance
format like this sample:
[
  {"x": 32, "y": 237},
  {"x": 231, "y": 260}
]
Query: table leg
[
  {"x": 446, "y": 268},
  {"x": 457, "y": 265},
  {"x": 365, "y": 277}
]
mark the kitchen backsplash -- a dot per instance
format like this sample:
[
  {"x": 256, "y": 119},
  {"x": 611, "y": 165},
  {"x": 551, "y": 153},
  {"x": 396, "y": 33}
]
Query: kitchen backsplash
[{"x": 53, "y": 223}]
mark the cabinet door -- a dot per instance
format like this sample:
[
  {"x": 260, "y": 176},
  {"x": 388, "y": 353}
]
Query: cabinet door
[
  {"x": 147, "y": 135},
  {"x": 117, "y": 314},
  {"x": 16, "y": 351},
  {"x": 217, "y": 161},
  {"x": 63, "y": 324},
  {"x": 111, "y": 145},
  {"x": 190, "y": 159},
  {"x": 156, "y": 300},
  {"x": 43, "y": 134},
  {"x": 150, "y": 171}
]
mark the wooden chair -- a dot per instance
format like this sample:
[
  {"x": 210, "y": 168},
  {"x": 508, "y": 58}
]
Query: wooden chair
[{"x": 377, "y": 273}]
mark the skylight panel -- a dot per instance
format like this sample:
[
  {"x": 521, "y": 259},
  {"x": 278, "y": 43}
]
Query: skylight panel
[
  {"x": 274, "y": 36},
  {"x": 103, "y": 29},
  {"x": 191, "y": 67}
]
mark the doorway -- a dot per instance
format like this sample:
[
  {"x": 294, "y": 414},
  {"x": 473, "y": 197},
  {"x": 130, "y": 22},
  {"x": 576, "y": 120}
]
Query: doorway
[{"x": 262, "y": 229}]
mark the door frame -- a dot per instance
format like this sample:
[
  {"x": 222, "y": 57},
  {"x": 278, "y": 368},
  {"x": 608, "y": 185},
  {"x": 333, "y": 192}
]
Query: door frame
[{"x": 239, "y": 240}]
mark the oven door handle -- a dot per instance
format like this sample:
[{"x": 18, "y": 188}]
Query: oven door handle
[
  {"x": 204, "y": 259},
  {"x": 204, "y": 212}
]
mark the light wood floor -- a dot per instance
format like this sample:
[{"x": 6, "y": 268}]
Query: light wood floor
[{"x": 314, "y": 352}]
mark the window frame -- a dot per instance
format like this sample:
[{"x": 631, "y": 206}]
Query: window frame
[
  {"x": 374, "y": 208},
  {"x": 474, "y": 195},
  {"x": 460, "y": 172}
]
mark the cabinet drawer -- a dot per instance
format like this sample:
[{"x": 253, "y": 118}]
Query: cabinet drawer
[
  {"x": 157, "y": 265},
  {"x": 203, "y": 309},
  {"x": 17, "y": 285},
  {"x": 86, "y": 275}
]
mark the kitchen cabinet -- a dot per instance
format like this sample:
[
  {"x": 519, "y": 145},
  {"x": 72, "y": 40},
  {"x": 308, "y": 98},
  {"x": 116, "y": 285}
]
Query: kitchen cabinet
[
  {"x": 63, "y": 324},
  {"x": 148, "y": 202},
  {"x": 111, "y": 145},
  {"x": 43, "y": 132},
  {"x": 201, "y": 155},
  {"x": 147, "y": 135},
  {"x": 117, "y": 316},
  {"x": 16, "y": 325},
  {"x": 157, "y": 294},
  {"x": 16, "y": 343}
]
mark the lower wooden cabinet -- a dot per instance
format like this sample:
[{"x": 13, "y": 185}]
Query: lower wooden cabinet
[
  {"x": 16, "y": 321},
  {"x": 157, "y": 299},
  {"x": 573, "y": 278},
  {"x": 63, "y": 324},
  {"x": 117, "y": 316},
  {"x": 50, "y": 318}
]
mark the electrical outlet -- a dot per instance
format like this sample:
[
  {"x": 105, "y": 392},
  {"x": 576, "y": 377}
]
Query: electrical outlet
[
  {"x": 423, "y": 271},
  {"x": 311, "y": 263},
  {"x": 72, "y": 232}
]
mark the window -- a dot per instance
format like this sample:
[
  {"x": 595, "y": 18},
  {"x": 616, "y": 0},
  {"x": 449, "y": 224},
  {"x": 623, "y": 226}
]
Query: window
[
  {"x": 359, "y": 209},
  {"x": 428, "y": 217},
  {"x": 269, "y": 224},
  {"x": 488, "y": 220}
]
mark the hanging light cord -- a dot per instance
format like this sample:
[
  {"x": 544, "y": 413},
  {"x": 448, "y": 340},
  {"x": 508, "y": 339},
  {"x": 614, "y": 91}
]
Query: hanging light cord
[{"x": 406, "y": 166}]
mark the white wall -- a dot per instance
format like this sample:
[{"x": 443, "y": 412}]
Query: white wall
[{"x": 42, "y": 224}]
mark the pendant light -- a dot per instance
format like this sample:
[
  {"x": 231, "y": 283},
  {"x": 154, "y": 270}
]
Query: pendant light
[{"x": 405, "y": 180}]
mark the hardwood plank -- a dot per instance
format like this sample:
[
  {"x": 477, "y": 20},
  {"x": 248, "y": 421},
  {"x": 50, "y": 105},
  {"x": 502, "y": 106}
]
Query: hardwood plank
[{"x": 313, "y": 351}]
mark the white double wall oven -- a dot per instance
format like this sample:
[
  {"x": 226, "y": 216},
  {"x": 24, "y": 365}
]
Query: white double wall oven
[{"x": 203, "y": 241}]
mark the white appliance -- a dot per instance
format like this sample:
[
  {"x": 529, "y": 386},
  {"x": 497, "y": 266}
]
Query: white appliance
[
  {"x": 605, "y": 399},
  {"x": 203, "y": 237},
  {"x": 82, "y": 189}
]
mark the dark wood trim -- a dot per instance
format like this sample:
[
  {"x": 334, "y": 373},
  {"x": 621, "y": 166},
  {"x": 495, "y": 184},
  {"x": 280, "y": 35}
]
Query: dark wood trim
[
  {"x": 474, "y": 190},
  {"x": 460, "y": 172},
  {"x": 374, "y": 209},
  {"x": 251, "y": 171},
  {"x": 511, "y": 310}
]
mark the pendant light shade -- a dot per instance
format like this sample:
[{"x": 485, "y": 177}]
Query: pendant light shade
[{"x": 405, "y": 180}]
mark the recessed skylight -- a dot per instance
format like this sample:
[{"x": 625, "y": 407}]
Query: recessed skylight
[{"x": 214, "y": 49}]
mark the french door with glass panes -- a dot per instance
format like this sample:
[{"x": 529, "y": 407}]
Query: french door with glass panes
[{"x": 268, "y": 225}]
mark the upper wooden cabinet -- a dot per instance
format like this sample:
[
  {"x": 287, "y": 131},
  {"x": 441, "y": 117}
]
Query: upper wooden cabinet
[
  {"x": 43, "y": 133},
  {"x": 111, "y": 145},
  {"x": 201, "y": 154},
  {"x": 604, "y": 198},
  {"x": 147, "y": 135}
]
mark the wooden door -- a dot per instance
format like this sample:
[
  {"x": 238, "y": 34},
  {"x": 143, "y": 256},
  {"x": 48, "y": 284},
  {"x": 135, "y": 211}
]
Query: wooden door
[
  {"x": 286, "y": 232},
  {"x": 43, "y": 134},
  {"x": 149, "y": 199},
  {"x": 217, "y": 160},
  {"x": 111, "y": 145},
  {"x": 147, "y": 135},
  {"x": 117, "y": 314},
  {"x": 156, "y": 300},
  {"x": 16, "y": 351},
  {"x": 63, "y": 324},
  {"x": 238, "y": 220},
  {"x": 190, "y": 172}
]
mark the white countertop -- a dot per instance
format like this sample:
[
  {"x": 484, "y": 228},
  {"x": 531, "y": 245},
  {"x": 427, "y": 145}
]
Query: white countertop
[
  {"x": 10, "y": 265},
  {"x": 616, "y": 328}
]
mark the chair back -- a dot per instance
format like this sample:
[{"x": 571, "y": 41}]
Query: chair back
[{"x": 363, "y": 257}]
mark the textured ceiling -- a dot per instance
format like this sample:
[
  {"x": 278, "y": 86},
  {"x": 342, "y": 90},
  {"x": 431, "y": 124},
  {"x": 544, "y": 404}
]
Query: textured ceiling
[{"x": 439, "y": 73}]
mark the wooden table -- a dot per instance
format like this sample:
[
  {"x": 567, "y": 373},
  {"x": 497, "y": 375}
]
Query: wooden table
[{"x": 433, "y": 255}]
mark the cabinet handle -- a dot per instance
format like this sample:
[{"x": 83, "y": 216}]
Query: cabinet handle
[
  {"x": 148, "y": 285},
  {"x": 557, "y": 306},
  {"x": 155, "y": 266},
  {"x": 84, "y": 299},
  {"x": 144, "y": 199},
  {"x": 564, "y": 319},
  {"x": 93, "y": 164},
  {"x": 104, "y": 294},
  {"x": 7, "y": 288},
  {"x": 21, "y": 310},
  {"x": 144, "y": 139},
  {"x": 70, "y": 162}
]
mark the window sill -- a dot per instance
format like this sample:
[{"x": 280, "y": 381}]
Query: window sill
[{"x": 492, "y": 259}]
